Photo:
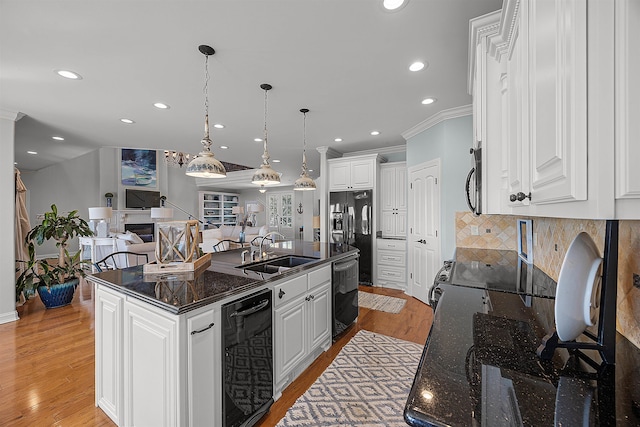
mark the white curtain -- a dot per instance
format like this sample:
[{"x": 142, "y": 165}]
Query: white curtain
[{"x": 22, "y": 225}]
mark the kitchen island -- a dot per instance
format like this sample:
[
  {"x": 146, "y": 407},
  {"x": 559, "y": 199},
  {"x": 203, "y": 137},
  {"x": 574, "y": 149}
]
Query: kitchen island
[
  {"x": 158, "y": 337},
  {"x": 479, "y": 366}
]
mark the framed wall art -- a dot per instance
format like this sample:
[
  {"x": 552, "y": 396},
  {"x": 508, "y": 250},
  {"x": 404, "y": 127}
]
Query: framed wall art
[{"x": 138, "y": 168}]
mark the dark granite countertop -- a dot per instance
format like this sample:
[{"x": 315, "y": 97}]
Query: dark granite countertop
[
  {"x": 179, "y": 293},
  {"x": 479, "y": 367},
  {"x": 499, "y": 270}
]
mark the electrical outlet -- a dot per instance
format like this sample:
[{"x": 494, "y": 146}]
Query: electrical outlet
[
  {"x": 556, "y": 247},
  {"x": 488, "y": 231},
  {"x": 636, "y": 280},
  {"x": 40, "y": 217},
  {"x": 474, "y": 230}
]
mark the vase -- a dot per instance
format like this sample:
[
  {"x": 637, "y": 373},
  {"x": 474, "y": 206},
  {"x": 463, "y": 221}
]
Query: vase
[
  {"x": 241, "y": 237},
  {"x": 58, "y": 295}
]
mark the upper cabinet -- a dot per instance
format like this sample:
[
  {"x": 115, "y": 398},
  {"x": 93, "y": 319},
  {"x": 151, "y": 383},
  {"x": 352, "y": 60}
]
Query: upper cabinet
[
  {"x": 627, "y": 108},
  {"x": 548, "y": 110},
  {"x": 352, "y": 173},
  {"x": 393, "y": 199}
]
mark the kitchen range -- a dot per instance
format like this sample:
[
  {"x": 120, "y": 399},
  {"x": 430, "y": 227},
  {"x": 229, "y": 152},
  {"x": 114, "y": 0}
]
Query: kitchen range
[{"x": 216, "y": 346}]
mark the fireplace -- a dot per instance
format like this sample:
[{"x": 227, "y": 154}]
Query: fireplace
[{"x": 144, "y": 230}]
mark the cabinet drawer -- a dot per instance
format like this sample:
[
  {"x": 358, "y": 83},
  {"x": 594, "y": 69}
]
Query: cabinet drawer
[
  {"x": 395, "y": 258},
  {"x": 391, "y": 273},
  {"x": 286, "y": 291},
  {"x": 397, "y": 245},
  {"x": 319, "y": 276}
]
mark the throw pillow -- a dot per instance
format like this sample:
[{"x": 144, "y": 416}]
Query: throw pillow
[{"x": 212, "y": 233}]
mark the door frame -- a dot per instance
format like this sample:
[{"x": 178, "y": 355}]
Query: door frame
[{"x": 410, "y": 202}]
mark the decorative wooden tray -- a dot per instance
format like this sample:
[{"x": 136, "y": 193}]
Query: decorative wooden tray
[{"x": 178, "y": 267}]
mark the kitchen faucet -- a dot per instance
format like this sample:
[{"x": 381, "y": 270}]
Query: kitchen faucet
[{"x": 269, "y": 234}]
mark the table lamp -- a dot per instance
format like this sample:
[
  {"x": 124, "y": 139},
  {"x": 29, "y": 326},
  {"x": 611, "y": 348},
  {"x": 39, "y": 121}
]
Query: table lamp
[
  {"x": 100, "y": 214},
  {"x": 161, "y": 213}
]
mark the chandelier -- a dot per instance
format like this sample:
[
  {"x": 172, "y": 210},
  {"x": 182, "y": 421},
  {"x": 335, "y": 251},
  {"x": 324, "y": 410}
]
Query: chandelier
[{"x": 177, "y": 158}]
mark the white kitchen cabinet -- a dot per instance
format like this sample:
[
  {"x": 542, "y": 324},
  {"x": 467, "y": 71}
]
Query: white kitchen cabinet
[
  {"x": 150, "y": 367},
  {"x": 203, "y": 335},
  {"x": 302, "y": 324},
  {"x": 109, "y": 359},
  {"x": 352, "y": 173},
  {"x": 627, "y": 107},
  {"x": 393, "y": 199},
  {"x": 556, "y": 111},
  {"x": 391, "y": 261}
]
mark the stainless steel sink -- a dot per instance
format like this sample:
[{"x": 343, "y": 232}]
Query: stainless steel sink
[{"x": 278, "y": 265}]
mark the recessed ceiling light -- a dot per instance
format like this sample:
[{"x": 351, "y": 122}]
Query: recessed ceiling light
[
  {"x": 224, "y": 147},
  {"x": 32, "y": 152},
  {"x": 393, "y": 4},
  {"x": 67, "y": 74},
  {"x": 257, "y": 139},
  {"x": 428, "y": 101},
  {"x": 375, "y": 133},
  {"x": 57, "y": 138},
  {"x": 310, "y": 170},
  {"x": 127, "y": 121},
  {"x": 338, "y": 140},
  {"x": 161, "y": 106},
  {"x": 15, "y": 163},
  {"x": 416, "y": 66},
  {"x": 275, "y": 161},
  {"x": 218, "y": 126}
]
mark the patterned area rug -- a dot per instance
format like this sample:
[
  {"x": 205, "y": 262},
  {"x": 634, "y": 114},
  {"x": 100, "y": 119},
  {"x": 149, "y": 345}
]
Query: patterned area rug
[
  {"x": 367, "y": 384},
  {"x": 380, "y": 302}
]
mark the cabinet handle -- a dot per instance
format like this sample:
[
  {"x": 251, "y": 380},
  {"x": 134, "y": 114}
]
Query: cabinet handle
[
  {"x": 281, "y": 294},
  {"x": 203, "y": 329}
]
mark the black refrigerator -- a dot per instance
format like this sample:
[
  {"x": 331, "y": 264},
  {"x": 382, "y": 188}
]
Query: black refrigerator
[{"x": 350, "y": 222}]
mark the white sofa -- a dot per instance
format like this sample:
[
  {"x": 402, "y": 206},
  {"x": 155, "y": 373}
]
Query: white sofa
[
  {"x": 211, "y": 237},
  {"x": 131, "y": 242}
]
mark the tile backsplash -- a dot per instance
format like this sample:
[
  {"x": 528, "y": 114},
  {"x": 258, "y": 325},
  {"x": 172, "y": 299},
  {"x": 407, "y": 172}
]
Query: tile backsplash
[{"x": 551, "y": 240}]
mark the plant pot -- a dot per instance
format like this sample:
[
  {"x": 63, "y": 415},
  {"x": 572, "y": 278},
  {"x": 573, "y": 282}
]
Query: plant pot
[{"x": 58, "y": 295}]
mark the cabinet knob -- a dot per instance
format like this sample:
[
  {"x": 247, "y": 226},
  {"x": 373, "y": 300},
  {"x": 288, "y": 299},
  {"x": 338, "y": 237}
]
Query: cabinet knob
[
  {"x": 281, "y": 294},
  {"x": 519, "y": 197}
]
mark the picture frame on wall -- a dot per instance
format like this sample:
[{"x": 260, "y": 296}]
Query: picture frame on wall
[
  {"x": 525, "y": 240},
  {"x": 138, "y": 168}
]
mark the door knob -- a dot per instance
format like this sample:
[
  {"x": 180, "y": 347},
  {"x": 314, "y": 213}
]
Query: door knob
[{"x": 422, "y": 241}]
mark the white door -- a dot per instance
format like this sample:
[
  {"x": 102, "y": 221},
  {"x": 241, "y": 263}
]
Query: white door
[
  {"x": 424, "y": 227},
  {"x": 280, "y": 213}
]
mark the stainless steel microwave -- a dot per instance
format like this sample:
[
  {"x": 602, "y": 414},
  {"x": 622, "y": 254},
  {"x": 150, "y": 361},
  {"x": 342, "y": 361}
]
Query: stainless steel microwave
[{"x": 473, "y": 185}]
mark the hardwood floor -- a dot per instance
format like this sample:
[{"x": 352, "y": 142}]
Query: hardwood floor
[{"x": 47, "y": 360}]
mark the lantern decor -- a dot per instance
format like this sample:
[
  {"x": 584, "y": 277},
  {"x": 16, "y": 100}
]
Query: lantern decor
[{"x": 177, "y": 247}]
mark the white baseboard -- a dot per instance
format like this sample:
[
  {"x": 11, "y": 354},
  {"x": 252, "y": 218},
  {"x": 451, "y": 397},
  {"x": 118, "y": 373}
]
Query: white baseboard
[{"x": 11, "y": 316}]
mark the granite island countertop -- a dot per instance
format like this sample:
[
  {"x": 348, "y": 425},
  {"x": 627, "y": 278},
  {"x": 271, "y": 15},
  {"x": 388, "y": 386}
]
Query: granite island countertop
[
  {"x": 179, "y": 293},
  {"x": 479, "y": 365}
]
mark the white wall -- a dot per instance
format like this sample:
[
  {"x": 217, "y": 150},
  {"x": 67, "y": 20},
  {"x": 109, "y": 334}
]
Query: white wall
[
  {"x": 449, "y": 140},
  {"x": 7, "y": 216}
]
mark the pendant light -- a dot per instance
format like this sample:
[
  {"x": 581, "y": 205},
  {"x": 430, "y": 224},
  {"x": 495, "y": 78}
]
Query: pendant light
[
  {"x": 265, "y": 175},
  {"x": 205, "y": 165},
  {"x": 304, "y": 182}
]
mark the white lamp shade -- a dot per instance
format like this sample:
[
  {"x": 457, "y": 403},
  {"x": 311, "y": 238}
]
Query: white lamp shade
[
  {"x": 100, "y": 213},
  {"x": 237, "y": 210},
  {"x": 161, "y": 213}
]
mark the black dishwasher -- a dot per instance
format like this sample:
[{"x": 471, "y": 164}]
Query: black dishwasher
[{"x": 247, "y": 382}]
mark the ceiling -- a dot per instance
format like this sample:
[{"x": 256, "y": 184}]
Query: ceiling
[{"x": 346, "y": 61}]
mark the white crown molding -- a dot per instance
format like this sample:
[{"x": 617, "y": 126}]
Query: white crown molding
[
  {"x": 382, "y": 151},
  {"x": 482, "y": 26},
  {"x": 329, "y": 152},
  {"x": 11, "y": 115},
  {"x": 451, "y": 113}
]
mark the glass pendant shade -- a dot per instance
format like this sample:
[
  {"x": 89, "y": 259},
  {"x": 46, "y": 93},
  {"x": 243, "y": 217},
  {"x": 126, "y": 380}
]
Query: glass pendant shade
[
  {"x": 205, "y": 165},
  {"x": 304, "y": 183},
  {"x": 265, "y": 175}
]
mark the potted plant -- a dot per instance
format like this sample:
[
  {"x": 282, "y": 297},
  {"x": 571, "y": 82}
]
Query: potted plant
[{"x": 55, "y": 282}]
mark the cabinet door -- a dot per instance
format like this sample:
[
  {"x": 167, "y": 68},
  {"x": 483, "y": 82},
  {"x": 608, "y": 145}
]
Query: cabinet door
[
  {"x": 388, "y": 188},
  {"x": 401, "y": 223},
  {"x": 203, "y": 368},
  {"x": 150, "y": 368},
  {"x": 627, "y": 69},
  {"x": 557, "y": 50},
  {"x": 319, "y": 316},
  {"x": 401, "y": 188},
  {"x": 109, "y": 397},
  {"x": 290, "y": 335},
  {"x": 339, "y": 176},
  {"x": 388, "y": 223},
  {"x": 362, "y": 174}
]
